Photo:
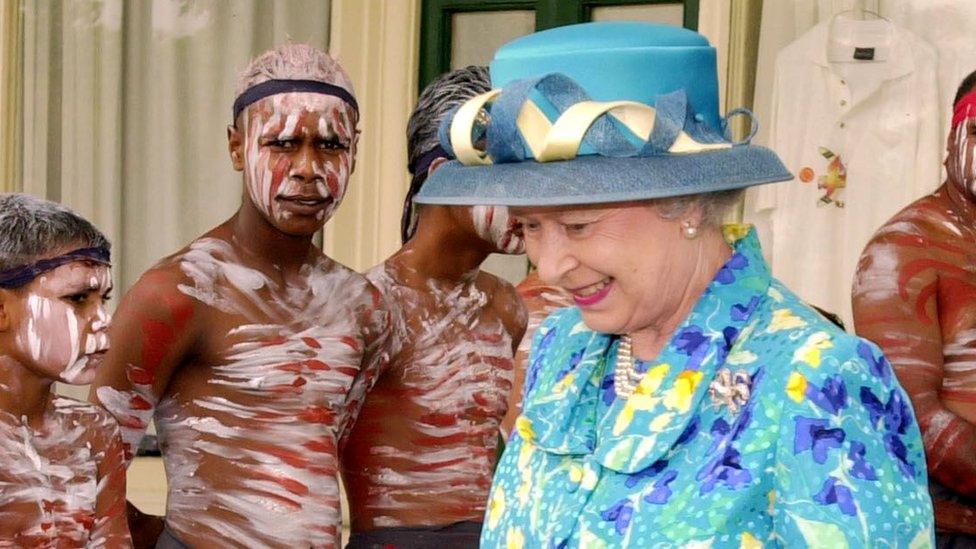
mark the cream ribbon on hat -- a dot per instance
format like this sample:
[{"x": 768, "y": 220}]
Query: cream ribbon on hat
[{"x": 561, "y": 140}]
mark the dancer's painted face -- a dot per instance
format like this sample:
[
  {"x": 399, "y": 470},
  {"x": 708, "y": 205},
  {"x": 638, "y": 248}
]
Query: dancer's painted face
[
  {"x": 961, "y": 162},
  {"x": 60, "y": 322},
  {"x": 961, "y": 148},
  {"x": 297, "y": 151},
  {"x": 493, "y": 224}
]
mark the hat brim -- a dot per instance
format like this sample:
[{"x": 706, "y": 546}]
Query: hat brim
[{"x": 601, "y": 179}]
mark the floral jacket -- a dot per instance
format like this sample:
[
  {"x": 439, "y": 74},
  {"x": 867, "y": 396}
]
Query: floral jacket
[{"x": 759, "y": 424}]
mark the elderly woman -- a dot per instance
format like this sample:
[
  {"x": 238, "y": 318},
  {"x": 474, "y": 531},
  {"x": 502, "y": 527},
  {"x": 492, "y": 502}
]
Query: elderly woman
[{"x": 688, "y": 398}]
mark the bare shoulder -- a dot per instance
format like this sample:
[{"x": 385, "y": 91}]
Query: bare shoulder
[
  {"x": 347, "y": 283},
  {"x": 505, "y": 301},
  {"x": 385, "y": 276},
  {"x": 341, "y": 292},
  {"x": 925, "y": 218},
  {"x": 159, "y": 293},
  {"x": 924, "y": 230}
]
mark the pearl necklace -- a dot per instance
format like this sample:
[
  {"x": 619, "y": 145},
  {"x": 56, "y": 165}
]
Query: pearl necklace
[{"x": 626, "y": 378}]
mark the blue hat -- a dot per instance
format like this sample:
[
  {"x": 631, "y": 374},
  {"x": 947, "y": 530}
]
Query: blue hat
[{"x": 594, "y": 113}]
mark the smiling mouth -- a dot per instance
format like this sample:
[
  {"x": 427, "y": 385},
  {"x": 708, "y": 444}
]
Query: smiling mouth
[
  {"x": 592, "y": 289},
  {"x": 592, "y": 294}
]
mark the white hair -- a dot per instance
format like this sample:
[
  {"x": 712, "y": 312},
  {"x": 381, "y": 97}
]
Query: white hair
[
  {"x": 714, "y": 205},
  {"x": 293, "y": 62}
]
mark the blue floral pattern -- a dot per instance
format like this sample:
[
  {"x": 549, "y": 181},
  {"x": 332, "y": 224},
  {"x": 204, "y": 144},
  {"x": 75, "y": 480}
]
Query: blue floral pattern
[{"x": 825, "y": 452}]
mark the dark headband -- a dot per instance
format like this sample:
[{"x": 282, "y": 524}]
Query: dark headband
[
  {"x": 274, "y": 87},
  {"x": 20, "y": 276},
  {"x": 422, "y": 163}
]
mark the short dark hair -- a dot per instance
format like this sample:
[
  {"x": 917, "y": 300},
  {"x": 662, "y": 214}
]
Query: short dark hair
[
  {"x": 965, "y": 87},
  {"x": 438, "y": 98}
]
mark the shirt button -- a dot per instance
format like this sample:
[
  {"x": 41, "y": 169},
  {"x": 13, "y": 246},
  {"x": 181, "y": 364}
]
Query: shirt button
[
  {"x": 843, "y": 102},
  {"x": 843, "y": 82},
  {"x": 842, "y": 125}
]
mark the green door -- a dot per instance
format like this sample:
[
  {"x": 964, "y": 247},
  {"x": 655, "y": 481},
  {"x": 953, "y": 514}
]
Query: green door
[{"x": 457, "y": 33}]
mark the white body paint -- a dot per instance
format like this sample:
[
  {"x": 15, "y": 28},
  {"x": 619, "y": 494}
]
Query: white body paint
[
  {"x": 275, "y": 404},
  {"x": 48, "y": 482},
  {"x": 492, "y": 223},
  {"x": 965, "y": 158},
  {"x": 447, "y": 389}
]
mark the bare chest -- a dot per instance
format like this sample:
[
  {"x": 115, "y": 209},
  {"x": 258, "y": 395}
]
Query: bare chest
[{"x": 48, "y": 483}]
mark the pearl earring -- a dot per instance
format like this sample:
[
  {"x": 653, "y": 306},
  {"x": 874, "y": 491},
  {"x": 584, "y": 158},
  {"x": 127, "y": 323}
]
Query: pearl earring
[{"x": 689, "y": 230}]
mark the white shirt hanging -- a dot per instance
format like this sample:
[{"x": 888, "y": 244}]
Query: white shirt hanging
[{"x": 855, "y": 118}]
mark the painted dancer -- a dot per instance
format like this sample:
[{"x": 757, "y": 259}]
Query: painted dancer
[
  {"x": 419, "y": 463},
  {"x": 250, "y": 348},
  {"x": 62, "y": 480},
  {"x": 915, "y": 296}
]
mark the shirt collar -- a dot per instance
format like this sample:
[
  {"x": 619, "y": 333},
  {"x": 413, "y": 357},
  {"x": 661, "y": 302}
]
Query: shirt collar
[{"x": 900, "y": 60}]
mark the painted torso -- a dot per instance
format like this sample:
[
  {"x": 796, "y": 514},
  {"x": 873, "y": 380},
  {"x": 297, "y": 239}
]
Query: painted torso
[
  {"x": 932, "y": 252},
  {"x": 424, "y": 448},
  {"x": 50, "y": 482},
  {"x": 915, "y": 296},
  {"x": 250, "y": 424}
]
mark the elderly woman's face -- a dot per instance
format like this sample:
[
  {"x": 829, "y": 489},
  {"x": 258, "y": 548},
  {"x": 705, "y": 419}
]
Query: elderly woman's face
[{"x": 626, "y": 267}]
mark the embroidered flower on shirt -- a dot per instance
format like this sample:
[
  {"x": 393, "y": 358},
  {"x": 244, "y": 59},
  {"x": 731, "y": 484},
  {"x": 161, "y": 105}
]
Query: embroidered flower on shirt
[
  {"x": 832, "y": 397},
  {"x": 496, "y": 507},
  {"x": 834, "y": 180},
  {"x": 816, "y": 435},
  {"x": 726, "y": 275},
  {"x": 650, "y": 471},
  {"x": 607, "y": 389},
  {"x": 860, "y": 468},
  {"x": 895, "y": 417},
  {"x": 693, "y": 342},
  {"x": 619, "y": 514},
  {"x": 741, "y": 312},
  {"x": 835, "y": 493},
  {"x": 571, "y": 364},
  {"x": 811, "y": 350},
  {"x": 532, "y": 373},
  {"x": 661, "y": 492},
  {"x": 726, "y": 468},
  {"x": 879, "y": 366}
]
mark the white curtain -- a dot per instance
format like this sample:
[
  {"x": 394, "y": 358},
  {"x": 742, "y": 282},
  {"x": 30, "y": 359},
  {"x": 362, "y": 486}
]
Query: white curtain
[
  {"x": 125, "y": 108},
  {"x": 126, "y": 104}
]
